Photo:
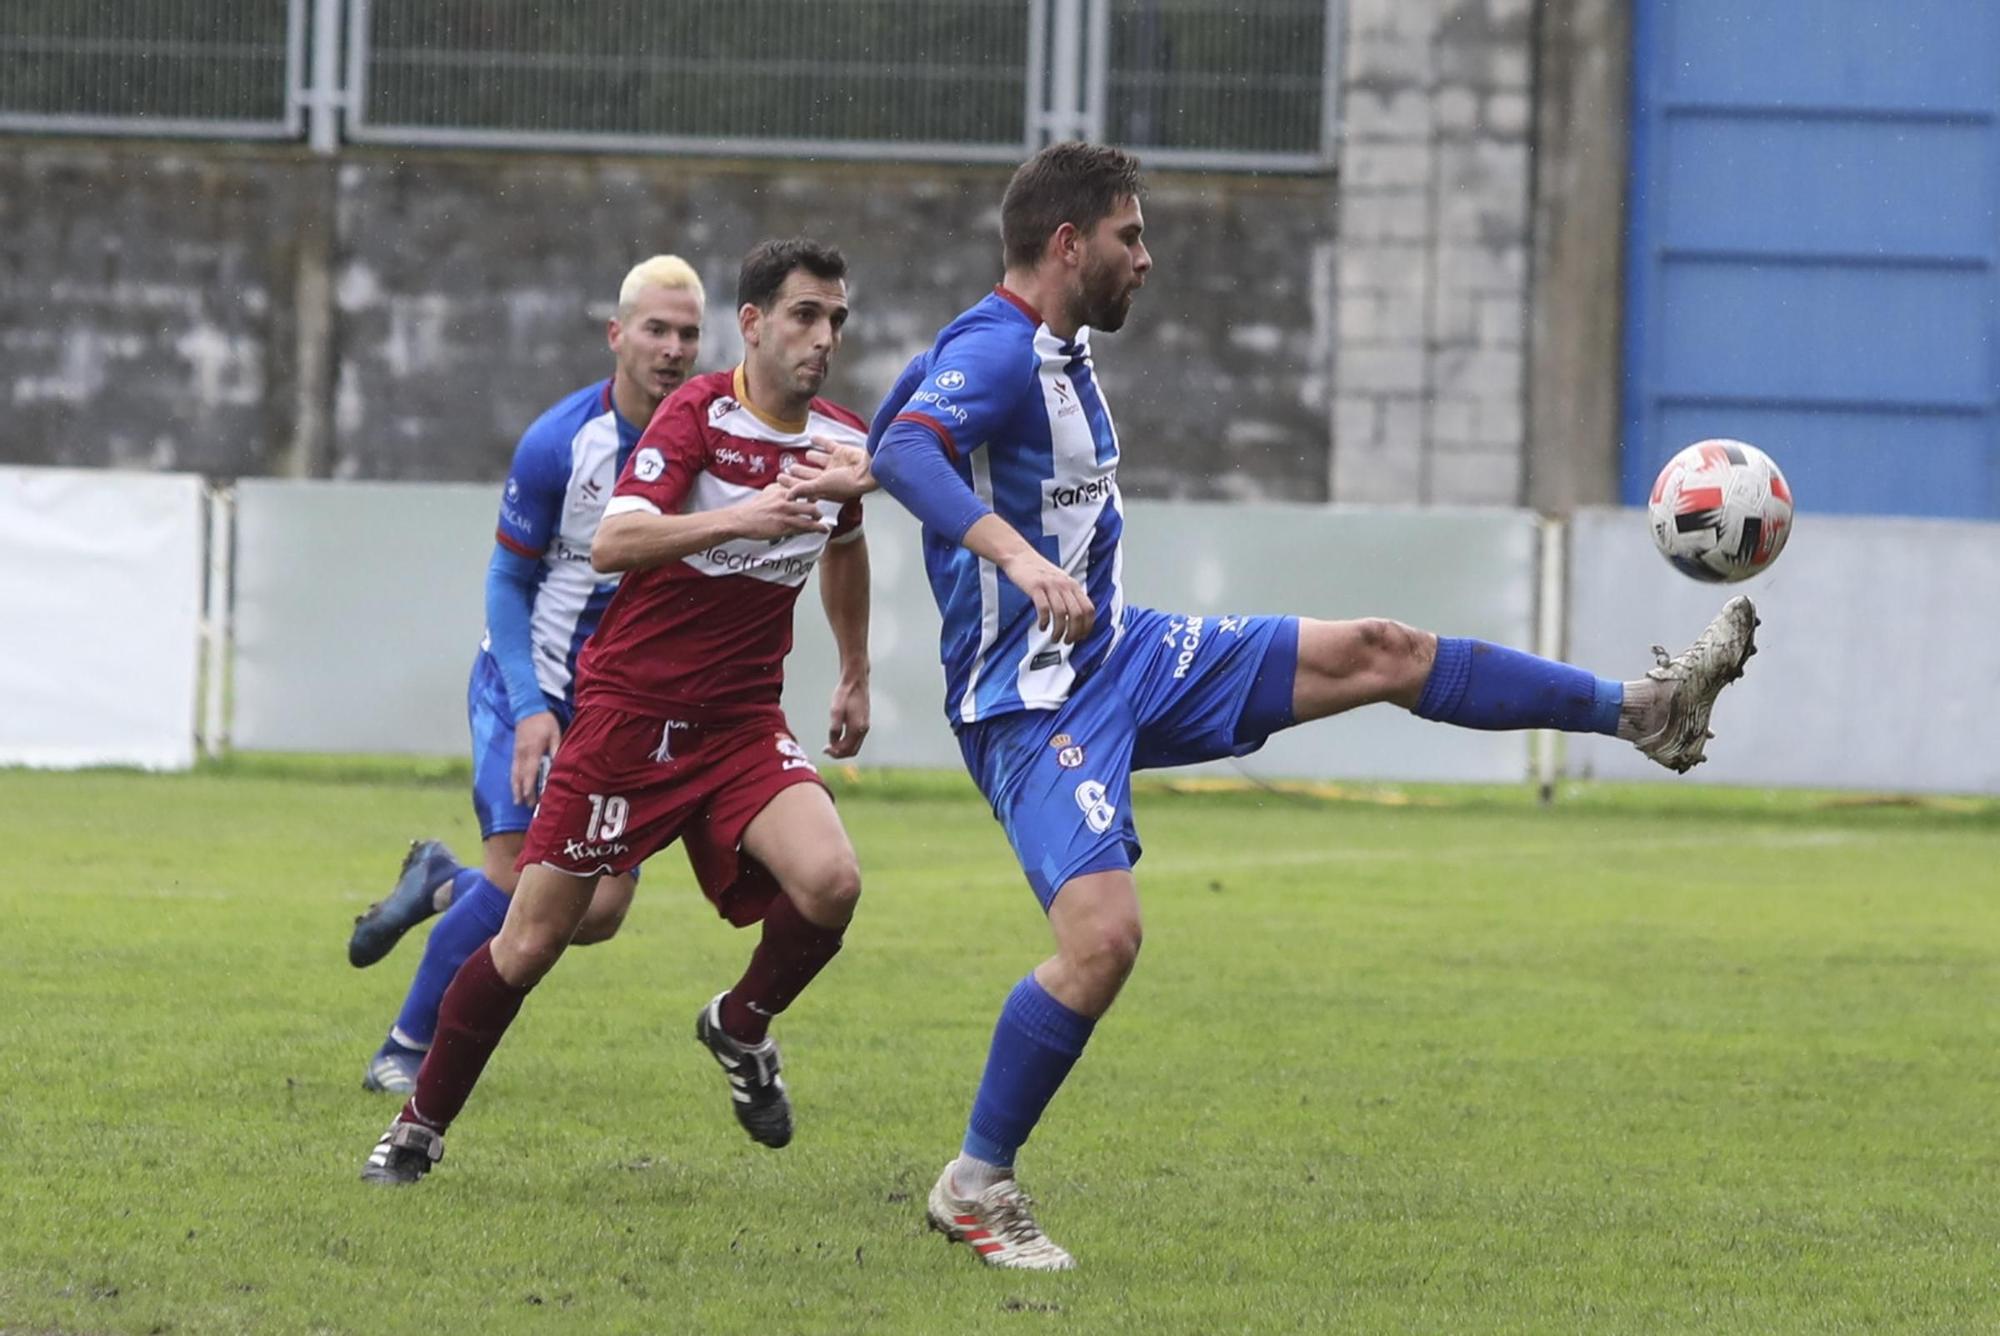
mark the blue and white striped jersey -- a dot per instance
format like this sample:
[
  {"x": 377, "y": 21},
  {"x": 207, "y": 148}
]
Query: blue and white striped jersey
[
  {"x": 564, "y": 470},
  {"x": 1021, "y": 417}
]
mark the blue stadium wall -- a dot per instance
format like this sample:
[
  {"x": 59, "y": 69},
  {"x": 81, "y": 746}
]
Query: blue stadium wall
[{"x": 1811, "y": 246}]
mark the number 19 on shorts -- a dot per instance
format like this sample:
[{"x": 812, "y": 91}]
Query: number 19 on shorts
[{"x": 607, "y": 817}]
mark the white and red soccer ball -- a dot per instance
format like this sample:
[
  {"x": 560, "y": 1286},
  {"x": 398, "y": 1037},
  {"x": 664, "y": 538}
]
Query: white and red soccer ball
[{"x": 1720, "y": 511}]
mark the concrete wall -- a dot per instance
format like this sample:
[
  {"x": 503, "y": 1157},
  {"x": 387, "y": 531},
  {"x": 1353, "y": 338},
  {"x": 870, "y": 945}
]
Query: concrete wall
[
  {"x": 403, "y": 314},
  {"x": 400, "y": 316},
  {"x": 147, "y": 317},
  {"x": 1575, "y": 307},
  {"x": 1433, "y": 274}
]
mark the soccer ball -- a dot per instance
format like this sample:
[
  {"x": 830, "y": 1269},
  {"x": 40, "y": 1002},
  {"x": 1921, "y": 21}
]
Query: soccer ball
[{"x": 1720, "y": 511}]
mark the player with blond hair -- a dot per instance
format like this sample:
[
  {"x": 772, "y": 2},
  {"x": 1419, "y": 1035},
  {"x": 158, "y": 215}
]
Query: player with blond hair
[{"x": 543, "y": 599}]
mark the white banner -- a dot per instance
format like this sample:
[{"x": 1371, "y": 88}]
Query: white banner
[
  {"x": 100, "y": 598},
  {"x": 359, "y": 608}
]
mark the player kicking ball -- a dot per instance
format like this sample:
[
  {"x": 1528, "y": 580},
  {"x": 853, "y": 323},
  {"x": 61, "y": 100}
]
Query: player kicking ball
[
  {"x": 678, "y": 732},
  {"x": 999, "y": 440}
]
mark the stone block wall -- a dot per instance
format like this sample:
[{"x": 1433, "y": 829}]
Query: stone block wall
[
  {"x": 1434, "y": 242},
  {"x": 383, "y": 313}
]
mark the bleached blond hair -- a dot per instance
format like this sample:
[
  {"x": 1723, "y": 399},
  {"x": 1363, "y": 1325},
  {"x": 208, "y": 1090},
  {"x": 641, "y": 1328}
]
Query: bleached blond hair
[{"x": 661, "y": 271}]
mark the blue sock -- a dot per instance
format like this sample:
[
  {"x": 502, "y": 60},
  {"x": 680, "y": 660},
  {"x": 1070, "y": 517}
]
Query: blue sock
[
  {"x": 478, "y": 908},
  {"x": 1036, "y": 1042},
  {"x": 1478, "y": 685}
]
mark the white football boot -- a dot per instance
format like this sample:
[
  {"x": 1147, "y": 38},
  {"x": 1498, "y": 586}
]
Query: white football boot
[
  {"x": 998, "y": 1225},
  {"x": 1694, "y": 678}
]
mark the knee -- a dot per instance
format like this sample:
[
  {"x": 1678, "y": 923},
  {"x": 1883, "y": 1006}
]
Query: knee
[
  {"x": 1107, "y": 950},
  {"x": 498, "y": 868},
  {"x": 1387, "y": 647},
  {"x": 601, "y": 924},
  {"x": 525, "y": 952},
  {"x": 1373, "y": 656},
  {"x": 829, "y": 892}
]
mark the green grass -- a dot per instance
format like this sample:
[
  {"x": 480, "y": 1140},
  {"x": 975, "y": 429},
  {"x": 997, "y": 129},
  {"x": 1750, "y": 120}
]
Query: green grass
[{"x": 1653, "y": 1060}]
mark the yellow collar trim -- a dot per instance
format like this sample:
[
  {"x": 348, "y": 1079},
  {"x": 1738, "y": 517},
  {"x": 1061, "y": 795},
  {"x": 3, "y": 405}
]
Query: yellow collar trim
[{"x": 740, "y": 385}]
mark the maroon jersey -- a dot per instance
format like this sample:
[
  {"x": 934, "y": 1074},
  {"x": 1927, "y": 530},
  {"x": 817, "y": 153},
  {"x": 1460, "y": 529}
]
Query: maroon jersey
[{"x": 705, "y": 637}]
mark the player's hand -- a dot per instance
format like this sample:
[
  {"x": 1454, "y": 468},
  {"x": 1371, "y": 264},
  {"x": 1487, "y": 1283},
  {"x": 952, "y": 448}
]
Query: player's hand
[
  {"x": 534, "y": 738},
  {"x": 830, "y": 471},
  {"x": 1062, "y": 606},
  {"x": 850, "y": 719},
  {"x": 773, "y": 513}
]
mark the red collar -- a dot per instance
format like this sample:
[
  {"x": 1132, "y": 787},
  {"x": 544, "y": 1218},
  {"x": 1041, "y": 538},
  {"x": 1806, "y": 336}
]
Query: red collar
[{"x": 1015, "y": 301}]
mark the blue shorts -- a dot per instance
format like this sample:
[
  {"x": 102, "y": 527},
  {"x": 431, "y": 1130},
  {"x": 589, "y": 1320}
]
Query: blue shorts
[
  {"x": 1176, "y": 690},
  {"x": 492, "y": 719}
]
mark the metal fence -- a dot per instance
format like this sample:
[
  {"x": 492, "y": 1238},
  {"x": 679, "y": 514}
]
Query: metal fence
[
  {"x": 221, "y": 68},
  {"x": 1250, "y": 83},
  {"x": 1221, "y": 84},
  {"x": 895, "y": 78}
]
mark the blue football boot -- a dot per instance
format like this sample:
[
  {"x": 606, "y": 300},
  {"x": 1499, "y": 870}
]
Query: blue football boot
[
  {"x": 393, "y": 1070},
  {"x": 427, "y": 866}
]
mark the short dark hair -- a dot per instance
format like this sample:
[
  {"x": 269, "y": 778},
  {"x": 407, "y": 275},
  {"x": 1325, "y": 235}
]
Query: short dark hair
[
  {"x": 769, "y": 263},
  {"x": 1071, "y": 182}
]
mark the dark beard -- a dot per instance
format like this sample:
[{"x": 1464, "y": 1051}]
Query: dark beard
[{"x": 1104, "y": 303}]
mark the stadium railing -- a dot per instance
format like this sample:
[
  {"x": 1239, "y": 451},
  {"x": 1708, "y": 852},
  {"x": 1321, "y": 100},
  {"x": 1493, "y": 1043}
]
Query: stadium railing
[
  {"x": 1229, "y": 85},
  {"x": 229, "y": 69}
]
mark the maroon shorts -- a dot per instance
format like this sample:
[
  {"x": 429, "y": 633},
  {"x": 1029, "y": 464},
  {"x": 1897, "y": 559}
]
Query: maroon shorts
[{"x": 625, "y": 786}]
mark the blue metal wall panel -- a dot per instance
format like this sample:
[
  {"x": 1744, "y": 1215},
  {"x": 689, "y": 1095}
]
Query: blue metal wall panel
[{"x": 1811, "y": 263}]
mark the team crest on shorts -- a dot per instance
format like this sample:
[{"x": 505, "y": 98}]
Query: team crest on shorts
[
  {"x": 1061, "y": 740},
  {"x": 1069, "y": 758}
]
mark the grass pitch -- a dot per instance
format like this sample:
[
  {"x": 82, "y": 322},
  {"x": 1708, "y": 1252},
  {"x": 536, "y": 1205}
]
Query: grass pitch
[{"x": 1653, "y": 1060}]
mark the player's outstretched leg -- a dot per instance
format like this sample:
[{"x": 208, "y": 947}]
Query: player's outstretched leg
[
  {"x": 796, "y": 839},
  {"x": 1475, "y": 684},
  {"x": 1663, "y": 713},
  {"x": 423, "y": 888}
]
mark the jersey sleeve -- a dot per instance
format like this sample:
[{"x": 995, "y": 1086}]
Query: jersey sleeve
[
  {"x": 847, "y": 524},
  {"x": 671, "y": 453},
  {"x": 531, "y": 502},
  {"x": 891, "y": 407},
  {"x": 510, "y": 611},
  {"x": 965, "y": 392}
]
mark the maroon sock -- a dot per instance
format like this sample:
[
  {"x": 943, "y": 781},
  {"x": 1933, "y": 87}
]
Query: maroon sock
[
  {"x": 793, "y": 950},
  {"x": 475, "y": 1013}
]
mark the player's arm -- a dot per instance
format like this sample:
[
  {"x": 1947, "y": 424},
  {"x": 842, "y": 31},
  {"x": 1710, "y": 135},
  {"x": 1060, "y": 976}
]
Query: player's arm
[
  {"x": 530, "y": 508},
  {"x": 643, "y": 526},
  {"x": 843, "y": 592},
  {"x": 639, "y": 537},
  {"x": 911, "y": 465}
]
